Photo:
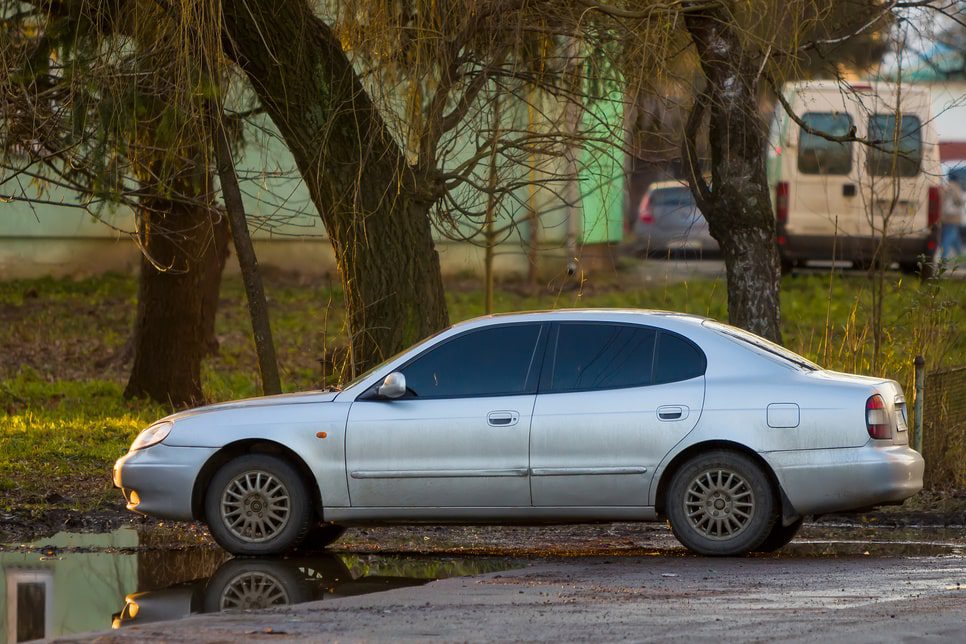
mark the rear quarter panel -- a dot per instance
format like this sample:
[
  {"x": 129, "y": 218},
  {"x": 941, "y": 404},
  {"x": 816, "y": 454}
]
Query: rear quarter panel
[{"x": 740, "y": 384}]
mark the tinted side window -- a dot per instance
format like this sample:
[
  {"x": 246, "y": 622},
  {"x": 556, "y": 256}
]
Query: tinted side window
[
  {"x": 677, "y": 359},
  {"x": 487, "y": 362},
  {"x": 817, "y": 155},
  {"x": 602, "y": 356},
  {"x": 900, "y": 150}
]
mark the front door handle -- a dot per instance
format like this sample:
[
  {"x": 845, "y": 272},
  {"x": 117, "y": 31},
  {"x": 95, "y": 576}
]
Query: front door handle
[
  {"x": 672, "y": 412},
  {"x": 503, "y": 418}
]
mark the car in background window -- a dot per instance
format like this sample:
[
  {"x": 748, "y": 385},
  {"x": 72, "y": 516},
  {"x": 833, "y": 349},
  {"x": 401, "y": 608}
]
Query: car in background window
[
  {"x": 564, "y": 416},
  {"x": 841, "y": 199},
  {"x": 669, "y": 221}
]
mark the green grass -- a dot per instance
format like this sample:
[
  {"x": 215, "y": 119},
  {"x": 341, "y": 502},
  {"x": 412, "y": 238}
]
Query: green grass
[{"x": 63, "y": 419}]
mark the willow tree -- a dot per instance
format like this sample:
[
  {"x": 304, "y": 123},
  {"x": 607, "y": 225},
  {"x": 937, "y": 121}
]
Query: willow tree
[
  {"x": 733, "y": 53},
  {"x": 95, "y": 100},
  {"x": 375, "y": 136}
]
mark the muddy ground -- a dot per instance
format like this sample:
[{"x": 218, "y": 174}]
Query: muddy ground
[
  {"x": 631, "y": 582},
  {"x": 943, "y": 510}
]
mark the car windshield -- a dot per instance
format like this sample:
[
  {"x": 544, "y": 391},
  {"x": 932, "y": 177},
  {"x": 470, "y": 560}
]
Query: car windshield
[{"x": 761, "y": 343}]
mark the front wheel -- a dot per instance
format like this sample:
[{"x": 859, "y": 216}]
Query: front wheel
[
  {"x": 720, "y": 504},
  {"x": 257, "y": 504}
]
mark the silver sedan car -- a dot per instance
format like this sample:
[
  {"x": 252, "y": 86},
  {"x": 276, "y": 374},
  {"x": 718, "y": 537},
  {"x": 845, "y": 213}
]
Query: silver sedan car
[{"x": 564, "y": 416}]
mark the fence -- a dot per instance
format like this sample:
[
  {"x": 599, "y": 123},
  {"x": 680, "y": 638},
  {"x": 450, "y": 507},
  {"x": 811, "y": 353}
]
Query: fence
[{"x": 944, "y": 428}]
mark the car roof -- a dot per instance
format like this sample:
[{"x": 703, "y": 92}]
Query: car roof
[
  {"x": 671, "y": 183},
  {"x": 587, "y": 315}
]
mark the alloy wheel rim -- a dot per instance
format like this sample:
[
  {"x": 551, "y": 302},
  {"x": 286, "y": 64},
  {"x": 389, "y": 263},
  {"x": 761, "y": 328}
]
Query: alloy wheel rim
[
  {"x": 252, "y": 591},
  {"x": 719, "y": 504},
  {"x": 255, "y": 506}
]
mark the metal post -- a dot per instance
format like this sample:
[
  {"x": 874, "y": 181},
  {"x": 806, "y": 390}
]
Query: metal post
[{"x": 920, "y": 364}]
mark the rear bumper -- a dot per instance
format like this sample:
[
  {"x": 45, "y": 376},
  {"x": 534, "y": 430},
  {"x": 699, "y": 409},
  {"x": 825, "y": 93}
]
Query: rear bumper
[
  {"x": 837, "y": 480},
  {"x": 828, "y": 247},
  {"x": 655, "y": 241},
  {"x": 158, "y": 481}
]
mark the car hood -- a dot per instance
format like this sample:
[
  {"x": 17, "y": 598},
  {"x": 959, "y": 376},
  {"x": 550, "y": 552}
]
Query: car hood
[{"x": 300, "y": 398}]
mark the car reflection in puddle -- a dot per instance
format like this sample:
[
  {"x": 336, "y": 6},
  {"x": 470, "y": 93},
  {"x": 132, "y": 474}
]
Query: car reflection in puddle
[
  {"x": 254, "y": 584},
  {"x": 73, "y": 583}
]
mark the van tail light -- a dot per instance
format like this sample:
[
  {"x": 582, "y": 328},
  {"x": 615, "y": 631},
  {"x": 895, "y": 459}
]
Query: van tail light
[
  {"x": 935, "y": 201},
  {"x": 646, "y": 212},
  {"x": 876, "y": 419},
  {"x": 781, "y": 202}
]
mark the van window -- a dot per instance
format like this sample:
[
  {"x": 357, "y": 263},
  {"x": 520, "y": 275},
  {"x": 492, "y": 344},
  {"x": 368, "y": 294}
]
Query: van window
[
  {"x": 906, "y": 157},
  {"x": 818, "y": 155}
]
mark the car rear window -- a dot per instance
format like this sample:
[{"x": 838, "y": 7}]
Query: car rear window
[
  {"x": 818, "y": 155},
  {"x": 767, "y": 347},
  {"x": 900, "y": 150}
]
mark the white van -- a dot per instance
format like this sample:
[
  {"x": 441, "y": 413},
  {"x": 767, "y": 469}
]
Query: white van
[{"x": 839, "y": 201}]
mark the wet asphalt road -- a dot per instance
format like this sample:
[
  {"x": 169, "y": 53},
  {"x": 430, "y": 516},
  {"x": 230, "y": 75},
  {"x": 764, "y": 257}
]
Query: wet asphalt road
[{"x": 839, "y": 584}]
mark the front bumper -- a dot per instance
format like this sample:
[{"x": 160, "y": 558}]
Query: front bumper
[
  {"x": 820, "y": 481},
  {"x": 158, "y": 481}
]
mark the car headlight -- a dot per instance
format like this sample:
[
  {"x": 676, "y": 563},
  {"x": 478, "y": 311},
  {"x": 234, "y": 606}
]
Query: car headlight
[{"x": 152, "y": 435}]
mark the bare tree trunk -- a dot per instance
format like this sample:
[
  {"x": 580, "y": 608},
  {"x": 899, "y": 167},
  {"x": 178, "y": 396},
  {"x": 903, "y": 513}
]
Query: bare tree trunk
[
  {"x": 374, "y": 206},
  {"x": 247, "y": 261},
  {"x": 177, "y": 299},
  {"x": 737, "y": 205}
]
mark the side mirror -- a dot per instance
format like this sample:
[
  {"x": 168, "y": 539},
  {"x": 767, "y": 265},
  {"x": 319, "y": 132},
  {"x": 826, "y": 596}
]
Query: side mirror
[{"x": 394, "y": 386}]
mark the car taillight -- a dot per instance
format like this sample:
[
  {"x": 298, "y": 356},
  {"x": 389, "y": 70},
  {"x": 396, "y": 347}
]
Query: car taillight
[
  {"x": 935, "y": 200},
  {"x": 876, "y": 419},
  {"x": 781, "y": 201},
  {"x": 646, "y": 213}
]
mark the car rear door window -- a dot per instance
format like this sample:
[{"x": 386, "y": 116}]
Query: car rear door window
[
  {"x": 601, "y": 356},
  {"x": 818, "y": 155},
  {"x": 898, "y": 150},
  {"x": 677, "y": 359},
  {"x": 487, "y": 362}
]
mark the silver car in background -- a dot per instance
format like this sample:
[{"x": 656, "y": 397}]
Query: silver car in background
[
  {"x": 669, "y": 221},
  {"x": 564, "y": 416}
]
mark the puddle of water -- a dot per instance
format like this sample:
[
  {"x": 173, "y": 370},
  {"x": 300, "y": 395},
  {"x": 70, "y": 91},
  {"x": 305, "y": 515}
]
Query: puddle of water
[
  {"x": 83, "y": 583},
  {"x": 870, "y": 548}
]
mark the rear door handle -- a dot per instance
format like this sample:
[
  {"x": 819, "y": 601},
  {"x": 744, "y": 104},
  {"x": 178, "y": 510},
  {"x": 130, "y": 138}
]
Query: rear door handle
[
  {"x": 503, "y": 418},
  {"x": 672, "y": 412}
]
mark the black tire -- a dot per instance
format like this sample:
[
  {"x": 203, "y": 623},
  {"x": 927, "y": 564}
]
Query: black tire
[
  {"x": 780, "y": 536},
  {"x": 720, "y": 504},
  {"x": 290, "y": 500},
  {"x": 923, "y": 268},
  {"x": 320, "y": 536},
  {"x": 253, "y": 584}
]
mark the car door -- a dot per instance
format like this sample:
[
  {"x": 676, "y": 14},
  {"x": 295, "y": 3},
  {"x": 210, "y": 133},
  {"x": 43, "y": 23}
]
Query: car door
[
  {"x": 613, "y": 400},
  {"x": 460, "y": 436}
]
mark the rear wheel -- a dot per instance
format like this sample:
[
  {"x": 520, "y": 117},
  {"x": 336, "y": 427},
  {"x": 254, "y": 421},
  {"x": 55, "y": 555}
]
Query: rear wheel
[
  {"x": 720, "y": 504},
  {"x": 780, "y": 536},
  {"x": 257, "y": 504}
]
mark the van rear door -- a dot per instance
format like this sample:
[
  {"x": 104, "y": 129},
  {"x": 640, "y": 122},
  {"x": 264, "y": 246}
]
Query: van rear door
[
  {"x": 893, "y": 182},
  {"x": 824, "y": 200}
]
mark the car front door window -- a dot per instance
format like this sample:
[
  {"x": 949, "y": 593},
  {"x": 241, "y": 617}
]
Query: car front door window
[{"x": 488, "y": 362}]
